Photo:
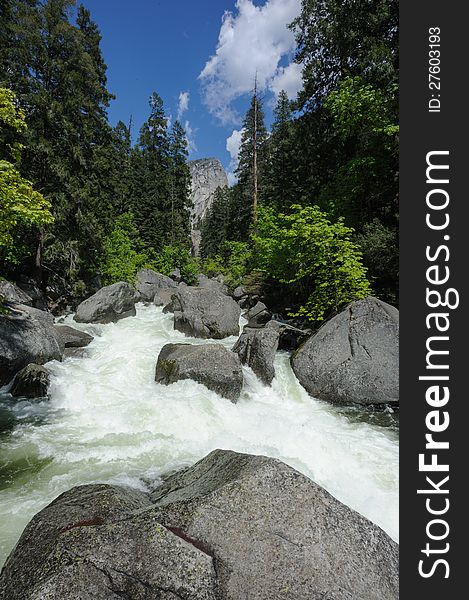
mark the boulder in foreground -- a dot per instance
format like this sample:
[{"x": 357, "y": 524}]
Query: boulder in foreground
[
  {"x": 232, "y": 526},
  {"x": 204, "y": 313},
  {"x": 354, "y": 357},
  {"x": 210, "y": 364},
  {"x": 109, "y": 304}
]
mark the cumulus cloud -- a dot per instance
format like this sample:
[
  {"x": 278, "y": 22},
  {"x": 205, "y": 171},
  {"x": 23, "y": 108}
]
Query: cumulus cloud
[
  {"x": 252, "y": 40},
  {"x": 288, "y": 79},
  {"x": 183, "y": 104},
  {"x": 233, "y": 144}
]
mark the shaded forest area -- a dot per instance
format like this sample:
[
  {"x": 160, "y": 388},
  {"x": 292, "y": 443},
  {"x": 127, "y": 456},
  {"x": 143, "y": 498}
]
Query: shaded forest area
[{"x": 312, "y": 221}]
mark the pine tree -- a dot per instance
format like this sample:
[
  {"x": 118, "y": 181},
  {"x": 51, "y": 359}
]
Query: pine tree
[
  {"x": 280, "y": 188},
  {"x": 151, "y": 193},
  {"x": 215, "y": 225},
  {"x": 180, "y": 186},
  {"x": 252, "y": 164}
]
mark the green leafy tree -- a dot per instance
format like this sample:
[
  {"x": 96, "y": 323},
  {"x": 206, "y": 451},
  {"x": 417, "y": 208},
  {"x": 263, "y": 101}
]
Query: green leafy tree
[
  {"x": 20, "y": 204},
  {"x": 306, "y": 250},
  {"x": 122, "y": 259},
  {"x": 345, "y": 38}
]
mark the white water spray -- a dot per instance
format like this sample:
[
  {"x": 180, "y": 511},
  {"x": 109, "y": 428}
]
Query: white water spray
[{"x": 108, "y": 421}]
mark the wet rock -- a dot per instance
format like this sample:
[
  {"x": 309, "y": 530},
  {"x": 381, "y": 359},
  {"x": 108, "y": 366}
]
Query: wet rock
[
  {"x": 210, "y": 364},
  {"x": 31, "y": 382},
  {"x": 257, "y": 348},
  {"x": 290, "y": 338},
  {"x": 149, "y": 283},
  {"x": 73, "y": 338},
  {"x": 354, "y": 357},
  {"x": 258, "y": 315},
  {"x": 108, "y": 305},
  {"x": 204, "y": 313},
  {"x": 27, "y": 335}
]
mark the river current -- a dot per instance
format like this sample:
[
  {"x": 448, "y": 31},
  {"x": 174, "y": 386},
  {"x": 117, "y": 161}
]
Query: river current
[{"x": 106, "y": 420}]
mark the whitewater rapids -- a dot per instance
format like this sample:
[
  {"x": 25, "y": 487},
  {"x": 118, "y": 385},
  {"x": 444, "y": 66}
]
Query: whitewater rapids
[{"x": 108, "y": 421}]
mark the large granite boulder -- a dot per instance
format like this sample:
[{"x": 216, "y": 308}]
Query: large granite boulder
[
  {"x": 31, "y": 382},
  {"x": 150, "y": 283},
  {"x": 27, "y": 335},
  {"x": 73, "y": 338},
  {"x": 204, "y": 313},
  {"x": 207, "y": 175},
  {"x": 354, "y": 357},
  {"x": 232, "y": 526},
  {"x": 13, "y": 294},
  {"x": 210, "y": 364},
  {"x": 257, "y": 348},
  {"x": 109, "y": 304}
]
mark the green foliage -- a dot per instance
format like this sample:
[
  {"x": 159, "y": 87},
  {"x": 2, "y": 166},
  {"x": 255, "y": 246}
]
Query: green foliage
[
  {"x": 234, "y": 262},
  {"x": 304, "y": 249},
  {"x": 122, "y": 260},
  {"x": 358, "y": 108},
  {"x": 380, "y": 248},
  {"x": 172, "y": 257},
  {"x": 20, "y": 204}
]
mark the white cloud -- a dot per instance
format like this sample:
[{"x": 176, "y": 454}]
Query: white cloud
[
  {"x": 183, "y": 104},
  {"x": 233, "y": 144},
  {"x": 253, "y": 40},
  {"x": 288, "y": 79},
  {"x": 190, "y": 136}
]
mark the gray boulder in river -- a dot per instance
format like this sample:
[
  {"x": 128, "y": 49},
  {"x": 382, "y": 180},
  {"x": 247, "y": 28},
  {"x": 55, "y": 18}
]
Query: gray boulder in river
[
  {"x": 31, "y": 382},
  {"x": 204, "y": 313},
  {"x": 109, "y": 304},
  {"x": 73, "y": 338},
  {"x": 27, "y": 335},
  {"x": 232, "y": 526},
  {"x": 354, "y": 357},
  {"x": 150, "y": 283},
  {"x": 257, "y": 348},
  {"x": 210, "y": 364}
]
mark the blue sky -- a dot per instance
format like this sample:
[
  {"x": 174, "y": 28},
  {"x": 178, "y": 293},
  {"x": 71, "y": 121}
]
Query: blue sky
[{"x": 201, "y": 57}]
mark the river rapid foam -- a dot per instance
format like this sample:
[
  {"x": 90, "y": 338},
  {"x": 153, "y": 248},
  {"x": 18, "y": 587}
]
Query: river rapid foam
[{"x": 108, "y": 421}]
